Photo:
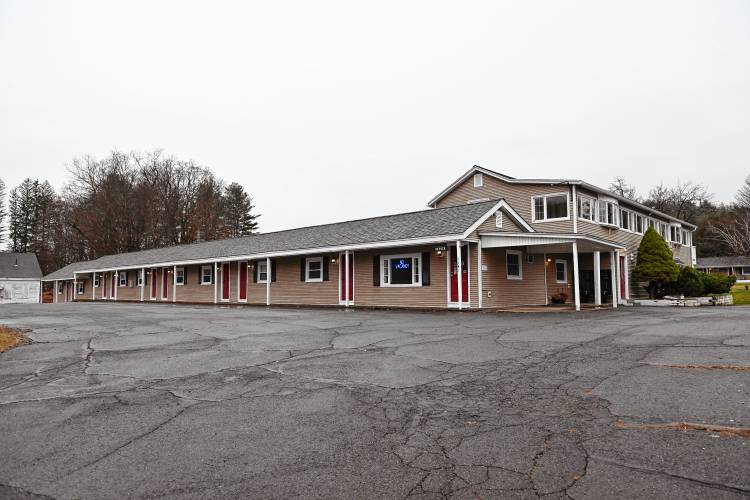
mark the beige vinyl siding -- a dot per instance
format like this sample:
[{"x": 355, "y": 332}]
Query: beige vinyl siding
[
  {"x": 432, "y": 296},
  {"x": 517, "y": 196},
  {"x": 289, "y": 289},
  {"x": 509, "y": 226},
  {"x": 528, "y": 291}
]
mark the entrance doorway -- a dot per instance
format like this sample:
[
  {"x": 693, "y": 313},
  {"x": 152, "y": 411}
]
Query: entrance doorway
[
  {"x": 464, "y": 274},
  {"x": 225, "y": 281}
]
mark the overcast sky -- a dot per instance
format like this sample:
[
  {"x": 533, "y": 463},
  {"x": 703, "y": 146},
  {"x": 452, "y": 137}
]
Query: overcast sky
[{"x": 328, "y": 111}]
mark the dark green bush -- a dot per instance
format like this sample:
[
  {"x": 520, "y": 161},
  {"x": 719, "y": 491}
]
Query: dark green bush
[
  {"x": 688, "y": 283},
  {"x": 718, "y": 283}
]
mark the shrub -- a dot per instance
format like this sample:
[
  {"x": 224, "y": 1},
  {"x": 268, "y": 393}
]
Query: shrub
[
  {"x": 559, "y": 298},
  {"x": 655, "y": 264},
  {"x": 718, "y": 283},
  {"x": 689, "y": 283}
]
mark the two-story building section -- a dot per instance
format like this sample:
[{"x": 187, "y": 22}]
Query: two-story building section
[{"x": 488, "y": 241}]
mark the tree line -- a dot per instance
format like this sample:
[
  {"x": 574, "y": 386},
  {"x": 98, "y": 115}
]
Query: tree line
[
  {"x": 723, "y": 228},
  {"x": 121, "y": 203}
]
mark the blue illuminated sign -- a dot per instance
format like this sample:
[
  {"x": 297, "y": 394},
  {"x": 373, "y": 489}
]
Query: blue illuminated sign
[{"x": 402, "y": 264}]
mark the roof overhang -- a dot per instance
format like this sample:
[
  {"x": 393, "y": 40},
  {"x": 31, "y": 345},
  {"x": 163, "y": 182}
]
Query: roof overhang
[{"x": 554, "y": 241}]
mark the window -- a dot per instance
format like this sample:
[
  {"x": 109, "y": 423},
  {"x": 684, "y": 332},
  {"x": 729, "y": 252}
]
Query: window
[
  {"x": 478, "y": 181},
  {"x": 638, "y": 223},
  {"x": 561, "y": 271},
  {"x": 513, "y": 265},
  {"x": 314, "y": 269},
  {"x": 60, "y": 287},
  {"x": 123, "y": 278},
  {"x": 674, "y": 234},
  {"x": 663, "y": 230},
  {"x": 499, "y": 219},
  {"x": 550, "y": 207},
  {"x": 80, "y": 286},
  {"x": 262, "y": 271},
  {"x": 206, "y": 275},
  {"x": 625, "y": 219},
  {"x": 608, "y": 213},
  {"x": 586, "y": 208},
  {"x": 140, "y": 277},
  {"x": 96, "y": 280},
  {"x": 180, "y": 276},
  {"x": 401, "y": 270}
]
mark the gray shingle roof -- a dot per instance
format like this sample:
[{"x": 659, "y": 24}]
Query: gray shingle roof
[
  {"x": 432, "y": 223},
  {"x": 19, "y": 265},
  {"x": 743, "y": 261},
  {"x": 66, "y": 273}
]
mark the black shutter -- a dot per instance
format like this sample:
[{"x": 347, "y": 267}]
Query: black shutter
[
  {"x": 302, "y": 269},
  {"x": 273, "y": 270},
  {"x": 325, "y": 268},
  {"x": 127, "y": 278},
  {"x": 426, "y": 268},
  {"x": 213, "y": 273},
  {"x": 255, "y": 272},
  {"x": 376, "y": 270}
]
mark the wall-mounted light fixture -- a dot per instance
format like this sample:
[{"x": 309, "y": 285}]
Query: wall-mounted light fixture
[{"x": 333, "y": 260}]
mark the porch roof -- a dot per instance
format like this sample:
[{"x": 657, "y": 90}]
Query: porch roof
[{"x": 548, "y": 242}]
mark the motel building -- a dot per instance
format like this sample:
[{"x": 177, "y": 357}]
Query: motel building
[{"x": 487, "y": 241}]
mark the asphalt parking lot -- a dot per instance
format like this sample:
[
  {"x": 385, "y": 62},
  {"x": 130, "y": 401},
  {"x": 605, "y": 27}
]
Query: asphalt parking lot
[{"x": 123, "y": 400}]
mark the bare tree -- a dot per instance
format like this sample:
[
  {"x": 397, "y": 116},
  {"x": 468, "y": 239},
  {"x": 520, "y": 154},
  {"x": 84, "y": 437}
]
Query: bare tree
[
  {"x": 3, "y": 211},
  {"x": 621, "y": 187},
  {"x": 743, "y": 195},
  {"x": 683, "y": 201},
  {"x": 735, "y": 233}
]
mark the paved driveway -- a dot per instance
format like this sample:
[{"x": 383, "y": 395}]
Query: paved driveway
[{"x": 118, "y": 400}]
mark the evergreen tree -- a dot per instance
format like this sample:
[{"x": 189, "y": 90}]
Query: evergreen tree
[
  {"x": 655, "y": 264},
  {"x": 22, "y": 214},
  {"x": 238, "y": 207}
]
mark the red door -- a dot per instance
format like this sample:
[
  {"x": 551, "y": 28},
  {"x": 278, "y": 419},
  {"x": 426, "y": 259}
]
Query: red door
[
  {"x": 225, "y": 281},
  {"x": 105, "y": 287},
  {"x": 164, "y": 284},
  {"x": 345, "y": 279},
  {"x": 243, "y": 281},
  {"x": 153, "y": 284},
  {"x": 464, "y": 275}
]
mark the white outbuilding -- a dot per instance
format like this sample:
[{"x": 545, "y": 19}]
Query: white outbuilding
[{"x": 20, "y": 278}]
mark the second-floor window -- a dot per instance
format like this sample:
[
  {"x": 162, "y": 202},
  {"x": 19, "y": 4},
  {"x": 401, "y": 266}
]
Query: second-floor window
[
  {"x": 586, "y": 206},
  {"x": 638, "y": 223},
  {"x": 550, "y": 207},
  {"x": 625, "y": 221},
  {"x": 607, "y": 213}
]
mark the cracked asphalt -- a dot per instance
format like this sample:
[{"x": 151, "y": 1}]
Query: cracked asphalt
[{"x": 124, "y": 400}]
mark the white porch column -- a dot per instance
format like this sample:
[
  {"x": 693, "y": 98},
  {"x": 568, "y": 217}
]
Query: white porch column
[
  {"x": 216, "y": 282},
  {"x": 627, "y": 280},
  {"x": 93, "y": 290},
  {"x": 116, "y": 276},
  {"x": 546, "y": 290},
  {"x": 459, "y": 276},
  {"x": 576, "y": 283},
  {"x": 479, "y": 271},
  {"x": 143, "y": 281},
  {"x": 174, "y": 284},
  {"x": 615, "y": 280},
  {"x": 597, "y": 278},
  {"x": 346, "y": 278},
  {"x": 268, "y": 281},
  {"x": 75, "y": 286},
  {"x": 55, "y": 291}
]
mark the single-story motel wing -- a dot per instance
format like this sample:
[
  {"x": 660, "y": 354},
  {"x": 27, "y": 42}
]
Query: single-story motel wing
[{"x": 517, "y": 242}]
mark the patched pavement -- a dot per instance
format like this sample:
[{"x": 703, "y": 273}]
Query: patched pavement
[{"x": 122, "y": 400}]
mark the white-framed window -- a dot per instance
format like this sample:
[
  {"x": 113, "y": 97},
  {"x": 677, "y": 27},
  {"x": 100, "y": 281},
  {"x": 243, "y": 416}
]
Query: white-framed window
[
  {"x": 499, "y": 219},
  {"x": 663, "y": 230},
  {"x": 674, "y": 234},
  {"x": 81, "y": 286},
  {"x": 140, "y": 277},
  {"x": 262, "y": 271},
  {"x": 401, "y": 270},
  {"x": 60, "y": 287},
  {"x": 638, "y": 225},
  {"x": 561, "y": 271},
  {"x": 478, "y": 180},
  {"x": 180, "y": 276},
  {"x": 626, "y": 219},
  {"x": 513, "y": 265},
  {"x": 608, "y": 213},
  {"x": 96, "y": 280},
  {"x": 586, "y": 208},
  {"x": 206, "y": 274},
  {"x": 123, "y": 278},
  {"x": 549, "y": 207},
  {"x": 313, "y": 269}
]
